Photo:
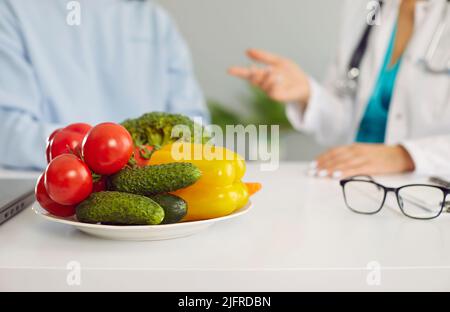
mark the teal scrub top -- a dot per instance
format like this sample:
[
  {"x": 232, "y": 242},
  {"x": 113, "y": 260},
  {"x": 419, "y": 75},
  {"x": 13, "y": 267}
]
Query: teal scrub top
[{"x": 372, "y": 128}]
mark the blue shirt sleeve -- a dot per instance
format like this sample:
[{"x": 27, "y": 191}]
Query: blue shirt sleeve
[
  {"x": 22, "y": 133},
  {"x": 185, "y": 95}
]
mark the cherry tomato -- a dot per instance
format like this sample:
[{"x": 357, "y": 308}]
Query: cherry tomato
[
  {"x": 107, "y": 148},
  {"x": 52, "y": 135},
  {"x": 68, "y": 180},
  {"x": 142, "y": 155},
  {"x": 100, "y": 185},
  {"x": 80, "y": 127},
  {"x": 49, "y": 140},
  {"x": 50, "y": 205},
  {"x": 65, "y": 142}
]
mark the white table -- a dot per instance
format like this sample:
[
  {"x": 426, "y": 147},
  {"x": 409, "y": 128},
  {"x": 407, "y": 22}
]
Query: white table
[{"x": 299, "y": 236}]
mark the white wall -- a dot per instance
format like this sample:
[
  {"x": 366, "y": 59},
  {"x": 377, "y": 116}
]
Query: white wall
[{"x": 219, "y": 31}]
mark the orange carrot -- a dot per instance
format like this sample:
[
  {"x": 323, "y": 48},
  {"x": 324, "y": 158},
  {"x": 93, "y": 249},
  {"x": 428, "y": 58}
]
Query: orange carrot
[{"x": 253, "y": 188}]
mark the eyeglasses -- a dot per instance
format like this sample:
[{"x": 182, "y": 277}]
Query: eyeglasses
[{"x": 418, "y": 201}]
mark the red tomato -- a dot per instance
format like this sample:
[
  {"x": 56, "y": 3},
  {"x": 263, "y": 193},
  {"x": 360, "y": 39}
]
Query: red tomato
[
  {"x": 48, "y": 204},
  {"x": 52, "y": 135},
  {"x": 65, "y": 142},
  {"x": 68, "y": 180},
  {"x": 49, "y": 140},
  {"x": 80, "y": 127},
  {"x": 107, "y": 148},
  {"x": 142, "y": 155},
  {"x": 99, "y": 185}
]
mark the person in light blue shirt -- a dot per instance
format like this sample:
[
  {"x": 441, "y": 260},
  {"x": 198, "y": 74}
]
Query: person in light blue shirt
[{"x": 88, "y": 60}]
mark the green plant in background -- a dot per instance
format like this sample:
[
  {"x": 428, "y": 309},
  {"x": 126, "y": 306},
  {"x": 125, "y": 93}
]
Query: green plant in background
[{"x": 261, "y": 110}]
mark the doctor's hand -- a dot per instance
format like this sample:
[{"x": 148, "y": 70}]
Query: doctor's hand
[
  {"x": 358, "y": 159},
  {"x": 281, "y": 78}
]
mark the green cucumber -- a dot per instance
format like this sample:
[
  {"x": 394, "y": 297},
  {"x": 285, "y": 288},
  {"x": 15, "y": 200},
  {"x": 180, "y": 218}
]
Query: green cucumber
[
  {"x": 175, "y": 208},
  {"x": 155, "y": 179},
  {"x": 120, "y": 209}
]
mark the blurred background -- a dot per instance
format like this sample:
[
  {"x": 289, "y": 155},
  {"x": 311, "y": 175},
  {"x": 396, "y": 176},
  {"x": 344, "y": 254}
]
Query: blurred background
[{"x": 218, "y": 33}]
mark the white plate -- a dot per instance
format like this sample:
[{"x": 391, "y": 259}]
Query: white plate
[{"x": 139, "y": 232}]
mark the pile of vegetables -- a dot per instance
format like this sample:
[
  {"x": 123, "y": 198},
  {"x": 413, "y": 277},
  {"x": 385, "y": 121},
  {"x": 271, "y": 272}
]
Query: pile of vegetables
[{"x": 128, "y": 174}]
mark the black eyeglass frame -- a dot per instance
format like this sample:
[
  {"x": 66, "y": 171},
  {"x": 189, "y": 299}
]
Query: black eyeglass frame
[{"x": 395, "y": 190}]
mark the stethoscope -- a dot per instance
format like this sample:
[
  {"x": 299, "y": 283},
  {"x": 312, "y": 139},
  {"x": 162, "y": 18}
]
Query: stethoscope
[{"x": 348, "y": 84}]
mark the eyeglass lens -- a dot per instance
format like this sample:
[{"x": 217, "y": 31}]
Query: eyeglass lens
[
  {"x": 363, "y": 196},
  {"x": 421, "y": 201}
]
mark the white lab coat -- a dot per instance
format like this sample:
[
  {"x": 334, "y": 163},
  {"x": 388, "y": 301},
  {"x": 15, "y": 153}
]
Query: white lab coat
[{"x": 419, "y": 114}]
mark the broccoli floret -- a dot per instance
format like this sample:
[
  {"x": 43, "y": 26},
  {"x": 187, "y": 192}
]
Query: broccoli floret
[{"x": 156, "y": 129}]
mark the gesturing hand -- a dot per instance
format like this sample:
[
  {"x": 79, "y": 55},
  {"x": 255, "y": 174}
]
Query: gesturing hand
[
  {"x": 281, "y": 79},
  {"x": 356, "y": 159}
]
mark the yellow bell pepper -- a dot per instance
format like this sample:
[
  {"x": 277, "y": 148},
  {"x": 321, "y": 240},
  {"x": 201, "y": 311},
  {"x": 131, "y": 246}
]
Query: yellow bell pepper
[{"x": 220, "y": 190}]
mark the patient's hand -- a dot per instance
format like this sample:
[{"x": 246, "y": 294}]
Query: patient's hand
[
  {"x": 281, "y": 79},
  {"x": 356, "y": 159}
]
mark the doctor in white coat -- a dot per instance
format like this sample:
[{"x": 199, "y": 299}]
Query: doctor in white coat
[{"x": 385, "y": 104}]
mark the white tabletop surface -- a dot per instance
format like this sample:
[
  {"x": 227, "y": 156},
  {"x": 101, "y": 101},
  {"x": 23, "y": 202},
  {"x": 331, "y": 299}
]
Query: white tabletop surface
[{"x": 298, "y": 236}]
